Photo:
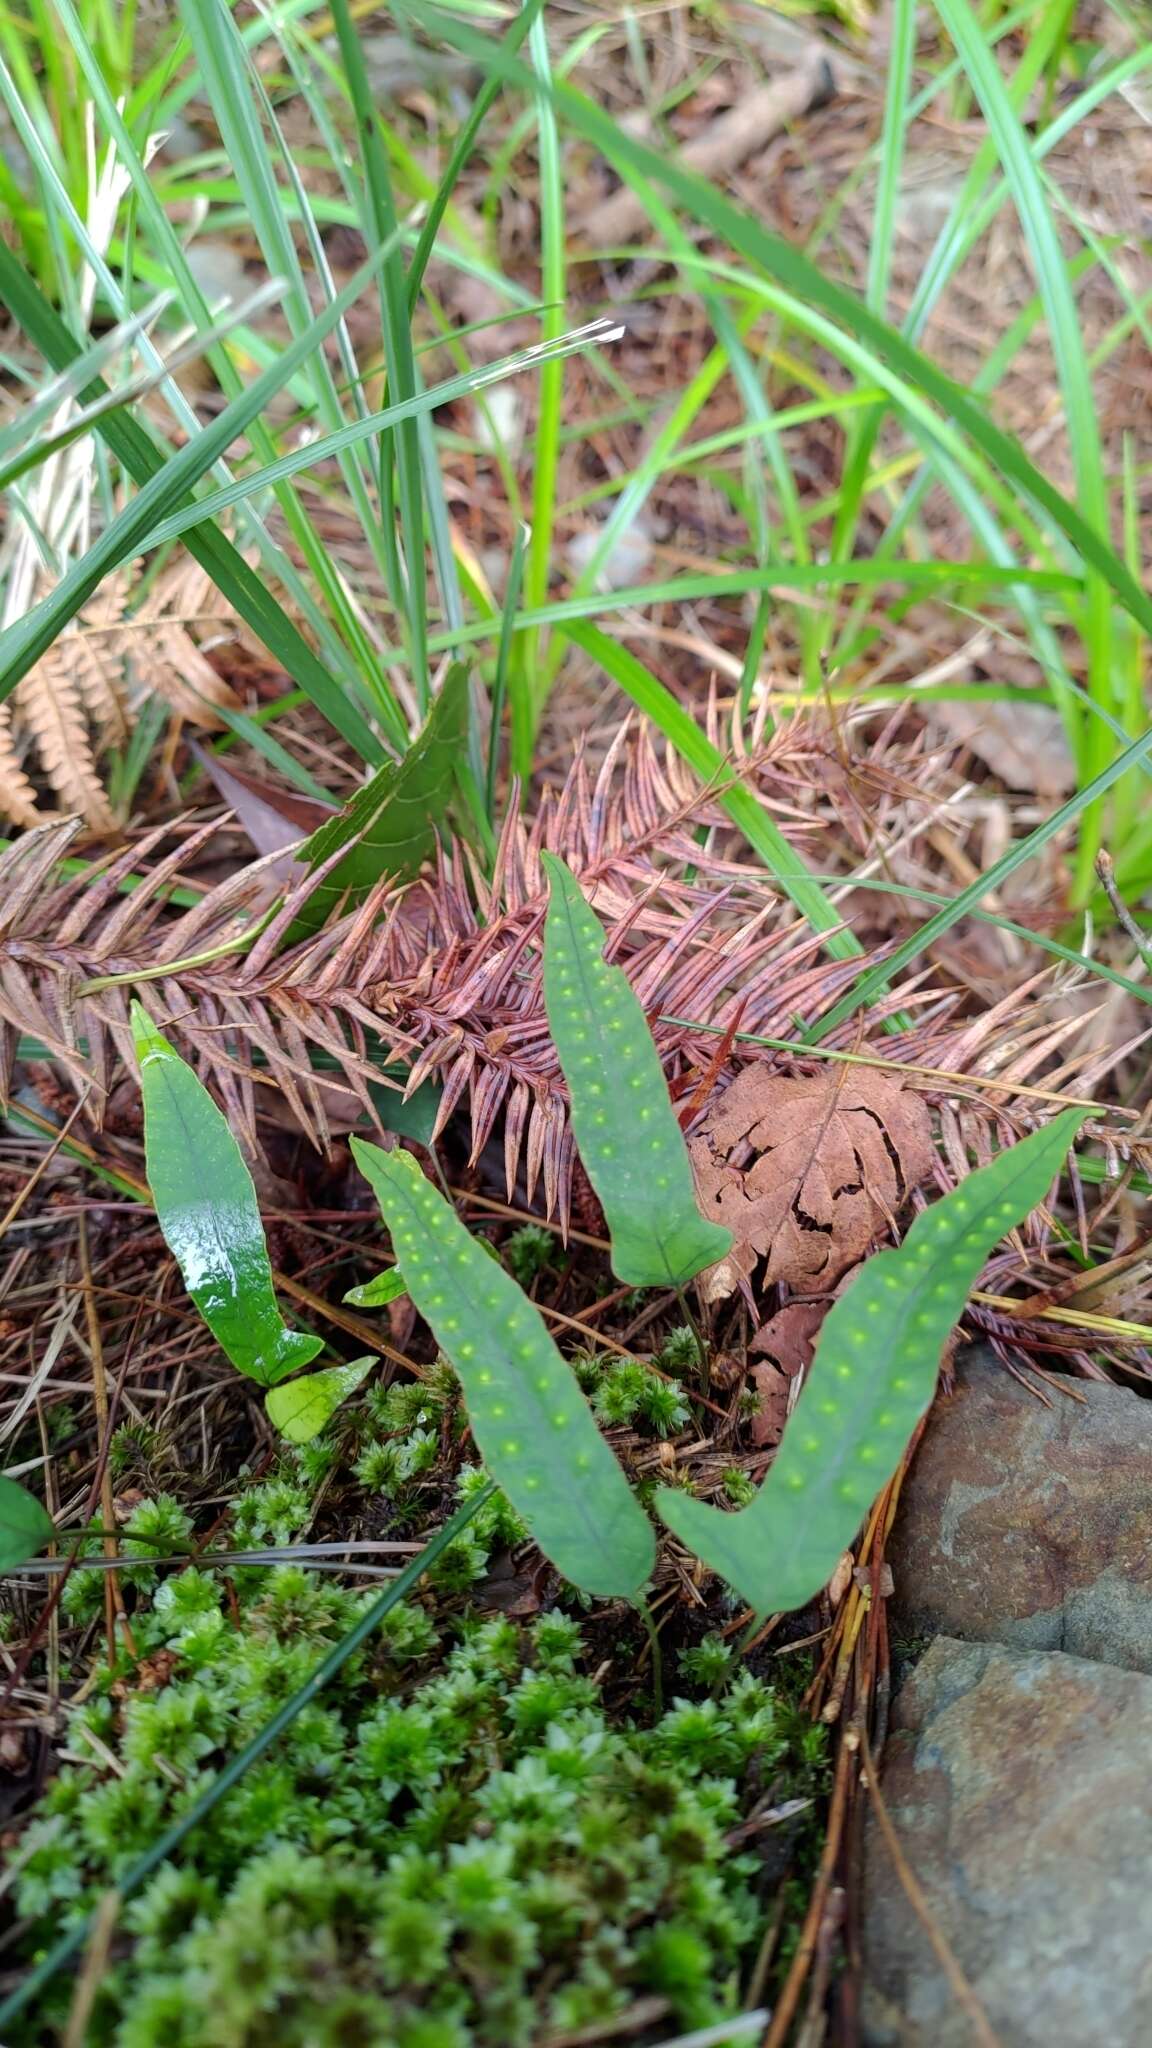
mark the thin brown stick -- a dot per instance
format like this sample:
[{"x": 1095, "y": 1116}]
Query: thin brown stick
[
  {"x": 1106, "y": 876},
  {"x": 93, "y": 1969},
  {"x": 113, "y": 1597},
  {"x": 41, "y": 1166},
  {"x": 789, "y": 1998},
  {"x": 913, "y": 1891}
]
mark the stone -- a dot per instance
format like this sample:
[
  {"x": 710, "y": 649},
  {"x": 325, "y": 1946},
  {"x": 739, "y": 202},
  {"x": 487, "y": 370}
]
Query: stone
[
  {"x": 1017, "y": 1785},
  {"x": 1028, "y": 1520}
]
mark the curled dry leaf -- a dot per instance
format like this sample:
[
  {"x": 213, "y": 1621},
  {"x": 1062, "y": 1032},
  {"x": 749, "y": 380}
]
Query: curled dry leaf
[
  {"x": 806, "y": 1172},
  {"x": 784, "y": 1349}
]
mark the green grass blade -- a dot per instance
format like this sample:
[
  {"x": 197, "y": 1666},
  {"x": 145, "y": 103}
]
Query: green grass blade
[
  {"x": 631, "y": 1145},
  {"x": 553, "y": 285},
  {"x": 349, "y": 664},
  {"x": 237, "y": 582},
  {"x": 873, "y": 1377},
  {"x": 462, "y": 149},
  {"x": 134, "y": 528},
  {"x": 873, "y": 982},
  {"x": 810, "y": 286},
  {"x": 424, "y": 401},
  {"x": 1075, "y": 379},
  {"x": 402, "y": 442},
  {"x": 206, "y": 1206},
  {"x": 531, "y": 1422},
  {"x": 682, "y": 732}
]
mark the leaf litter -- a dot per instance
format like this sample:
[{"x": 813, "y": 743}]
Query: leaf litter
[{"x": 806, "y": 1172}]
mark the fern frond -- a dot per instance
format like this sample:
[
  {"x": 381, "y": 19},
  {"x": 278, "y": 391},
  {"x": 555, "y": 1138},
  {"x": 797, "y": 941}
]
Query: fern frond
[{"x": 81, "y": 696}]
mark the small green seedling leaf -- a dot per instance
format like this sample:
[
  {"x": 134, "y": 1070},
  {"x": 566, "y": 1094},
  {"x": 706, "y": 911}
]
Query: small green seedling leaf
[
  {"x": 207, "y": 1209},
  {"x": 389, "y": 826},
  {"x": 25, "y": 1526},
  {"x": 533, "y": 1427},
  {"x": 379, "y": 1291},
  {"x": 873, "y": 1377},
  {"x": 630, "y": 1142},
  {"x": 300, "y": 1408}
]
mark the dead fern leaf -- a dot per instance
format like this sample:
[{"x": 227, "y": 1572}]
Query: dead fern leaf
[
  {"x": 81, "y": 695},
  {"x": 443, "y": 976},
  {"x": 50, "y": 707},
  {"x": 806, "y": 1172}
]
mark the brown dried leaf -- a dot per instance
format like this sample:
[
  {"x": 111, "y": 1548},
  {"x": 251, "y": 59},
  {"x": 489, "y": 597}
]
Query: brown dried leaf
[
  {"x": 785, "y": 1344},
  {"x": 805, "y": 1172},
  {"x": 1024, "y": 744}
]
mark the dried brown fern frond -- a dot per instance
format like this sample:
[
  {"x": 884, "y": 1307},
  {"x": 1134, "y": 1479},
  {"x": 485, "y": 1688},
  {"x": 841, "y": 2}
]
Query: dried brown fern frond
[
  {"x": 85, "y": 691},
  {"x": 444, "y": 974}
]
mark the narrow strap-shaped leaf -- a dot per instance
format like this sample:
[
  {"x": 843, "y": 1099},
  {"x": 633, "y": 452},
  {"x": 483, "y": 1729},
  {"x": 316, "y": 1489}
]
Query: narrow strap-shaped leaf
[
  {"x": 389, "y": 826},
  {"x": 300, "y": 1408},
  {"x": 871, "y": 1380},
  {"x": 533, "y": 1426},
  {"x": 630, "y": 1142},
  {"x": 207, "y": 1209},
  {"x": 25, "y": 1526}
]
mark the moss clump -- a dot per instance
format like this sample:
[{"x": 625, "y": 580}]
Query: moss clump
[{"x": 453, "y": 1847}]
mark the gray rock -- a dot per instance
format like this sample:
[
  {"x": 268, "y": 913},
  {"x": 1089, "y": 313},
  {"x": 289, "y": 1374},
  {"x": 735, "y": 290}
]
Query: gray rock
[
  {"x": 1030, "y": 1524},
  {"x": 1017, "y": 1783}
]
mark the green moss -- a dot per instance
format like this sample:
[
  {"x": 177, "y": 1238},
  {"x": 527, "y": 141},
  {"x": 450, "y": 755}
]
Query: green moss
[{"x": 454, "y": 1847}]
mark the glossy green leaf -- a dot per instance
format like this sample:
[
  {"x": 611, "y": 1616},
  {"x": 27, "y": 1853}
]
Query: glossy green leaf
[
  {"x": 389, "y": 826},
  {"x": 412, "y": 1116},
  {"x": 873, "y": 1377},
  {"x": 25, "y": 1526},
  {"x": 534, "y": 1428},
  {"x": 631, "y": 1145},
  {"x": 378, "y": 1292},
  {"x": 207, "y": 1209},
  {"x": 300, "y": 1408}
]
